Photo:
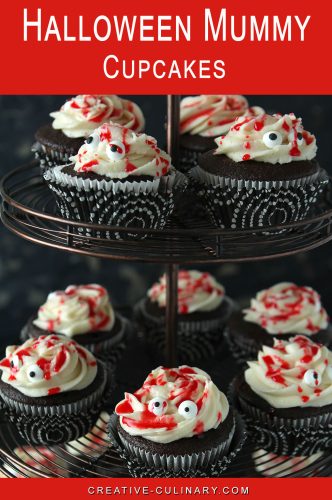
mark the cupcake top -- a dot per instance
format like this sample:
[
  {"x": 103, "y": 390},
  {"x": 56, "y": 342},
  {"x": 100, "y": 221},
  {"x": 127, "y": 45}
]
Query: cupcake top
[
  {"x": 271, "y": 139},
  {"x": 172, "y": 404},
  {"x": 213, "y": 115},
  {"x": 79, "y": 116},
  {"x": 117, "y": 152},
  {"x": 76, "y": 310},
  {"x": 293, "y": 373},
  {"x": 196, "y": 292},
  {"x": 288, "y": 308},
  {"x": 48, "y": 365}
]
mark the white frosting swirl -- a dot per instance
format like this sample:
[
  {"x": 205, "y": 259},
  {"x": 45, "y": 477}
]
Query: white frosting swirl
[
  {"x": 293, "y": 373},
  {"x": 196, "y": 292},
  {"x": 271, "y": 139},
  {"x": 48, "y": 365},
  {"x": 117, "y": 152},
  {"x": 77, "y": 310},
  {"x": 288, "y": 308},
  {"x": 79, "y": 116},
  {"x": 173, "y": 386},
  {"x": 213, "y": 115}
]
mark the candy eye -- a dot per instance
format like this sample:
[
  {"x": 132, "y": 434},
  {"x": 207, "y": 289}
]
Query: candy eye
[
  {"x": 188, "y": 409},
  {"x": 35, "y": 373},
  {"x": 157, "y": 406},
  {"x": 312, "y": 378},
  {"x": 92, "y": 141},
  {"x": 299, "y": 138},
  {"x": 115, "y": 150},
  {"x": 272, "y": 139}
]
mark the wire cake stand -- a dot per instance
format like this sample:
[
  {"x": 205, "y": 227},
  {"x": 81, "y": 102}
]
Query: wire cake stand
[{"x": 28, "y": 209}]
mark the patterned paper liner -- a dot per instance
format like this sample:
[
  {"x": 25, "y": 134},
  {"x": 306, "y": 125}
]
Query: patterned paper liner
[
  {"x": 57, "y": 424},
  {"x": 144, "y": 204},
  {"x": 236, "y": 203},
  {"x": 202, "y": 464},
  {"x": 285, "y": 436},
  {"x": 188, "y": 159},
  {"x": 241, "y": 351},
  {"x": 197, "y": 340},
  {"x": 110, "y": 350},
  {"x": 48, "y": 157}
]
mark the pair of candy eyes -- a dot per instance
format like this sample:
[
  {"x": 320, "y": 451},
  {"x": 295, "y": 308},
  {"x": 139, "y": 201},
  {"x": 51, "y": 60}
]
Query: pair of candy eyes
[
  {"x": 115, "y": 150},
  {"x": 274, "y": 138},
  {"x": 34, "y": 372},
  {"x": 187, "y": 409}
]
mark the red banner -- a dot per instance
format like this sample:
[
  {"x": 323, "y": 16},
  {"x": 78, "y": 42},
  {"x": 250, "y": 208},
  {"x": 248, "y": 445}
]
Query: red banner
[
  {"x": 153, "y": 47},
  {"x": 260, "y": 489}
]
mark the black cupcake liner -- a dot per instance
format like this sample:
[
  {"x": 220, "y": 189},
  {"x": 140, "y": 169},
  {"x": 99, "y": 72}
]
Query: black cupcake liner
[
  {"x": 196, "y": 340},
  {"x": 285, "y": 436},
  {"x": 145, "y": 204},
  {"x": 188, "y": 159},
  {"x": 195, "y": 465},
  {"x": 238, "y": 204},
  {"x": 241, "y": 350},
  {"x": 48, "y": 157},
  {"x": 58, "y": 424}
]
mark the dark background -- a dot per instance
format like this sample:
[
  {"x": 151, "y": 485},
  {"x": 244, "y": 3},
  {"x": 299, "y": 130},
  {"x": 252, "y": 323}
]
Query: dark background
[{"x": 29, "y": 272}]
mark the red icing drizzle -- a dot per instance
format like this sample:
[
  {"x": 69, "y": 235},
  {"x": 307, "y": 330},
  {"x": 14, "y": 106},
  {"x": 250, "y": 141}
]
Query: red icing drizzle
[
  {"x": 54, "y": 390},
  {"x": 186, "y": 387}
]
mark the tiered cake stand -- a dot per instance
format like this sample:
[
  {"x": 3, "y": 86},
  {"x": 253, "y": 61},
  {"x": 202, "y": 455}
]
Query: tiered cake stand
[{"x": 28, "y": 209}]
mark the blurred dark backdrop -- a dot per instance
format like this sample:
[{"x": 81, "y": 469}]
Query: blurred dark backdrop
[{"x": 29, "y": 272}]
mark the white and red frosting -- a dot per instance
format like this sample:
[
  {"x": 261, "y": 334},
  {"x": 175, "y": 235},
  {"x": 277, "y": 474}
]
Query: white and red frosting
[
  {"x": 47, "y": 366},
  {"x": 267, "y": 138},
  {"x": 189, "y": 403},
  {"x": 213, "y": 115},
  {"x": 77, "y": 310},
  {"x": 80, "y": 115},
  {"x": 292, "y": 373},
  {"x": 196, "y": 292},
  {"x": 117, "y": 152},
  {"x": 287, "y": 308}
]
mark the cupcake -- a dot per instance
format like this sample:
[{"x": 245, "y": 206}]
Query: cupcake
[
  {"x": 56, "y": 142},
  {"x": 203, "y": 309},
  {"x": 35, "y": 462},
  {"x": 118, "y": 178},
  {"x": 52, "y": 388},
  {"x": 205, "y": 117},
  {"x": 280, "y": 312},
  {"x": 286, "y": 396},
  {"x": 85, "y": 314},
  {"x": 178, "y": 423},
  {"x": 264, "y": 172}
]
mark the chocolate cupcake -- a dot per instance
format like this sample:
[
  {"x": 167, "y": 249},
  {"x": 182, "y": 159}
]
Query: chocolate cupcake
[
  {"x": 118, "y": 178},
  {"x": 280, "y": 312},
  {"x": 85, "y": 314},
  {"x": 56, "y": 142},
  {"x": 52, "y": 388},
  {"x": 178, "y": 423},
  {"x": 203, "y": 118},
  {"x": 286, "y": 396},
  {"x": 263, "y": 173},
  {"x": 203, "y": 310}
]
